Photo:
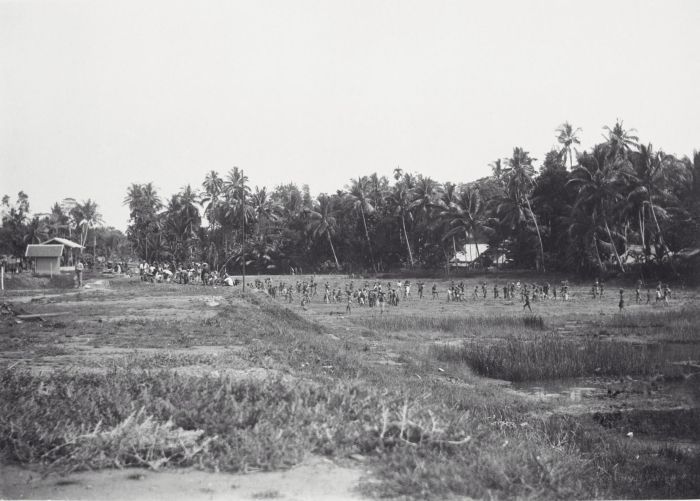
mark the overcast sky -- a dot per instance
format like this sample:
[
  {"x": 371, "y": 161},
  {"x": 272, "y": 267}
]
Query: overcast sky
[{"x": 96, "y": 95}]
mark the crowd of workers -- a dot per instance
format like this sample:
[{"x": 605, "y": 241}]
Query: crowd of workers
[{"x": 382, "y": 294}]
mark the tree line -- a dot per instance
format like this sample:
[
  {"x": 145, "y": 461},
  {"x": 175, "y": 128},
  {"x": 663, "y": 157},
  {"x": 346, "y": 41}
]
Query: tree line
[
  {"x": 77, "y": 221},
  {"x": 620, "y": 205}
]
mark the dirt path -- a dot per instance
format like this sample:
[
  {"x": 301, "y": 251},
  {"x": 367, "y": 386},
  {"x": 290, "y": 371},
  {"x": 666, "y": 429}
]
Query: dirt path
[{"x": 314, "y": 479}]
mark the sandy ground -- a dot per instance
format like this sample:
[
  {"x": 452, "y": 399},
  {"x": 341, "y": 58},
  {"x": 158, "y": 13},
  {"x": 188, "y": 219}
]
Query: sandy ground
[{"x": 314, "y": 479}]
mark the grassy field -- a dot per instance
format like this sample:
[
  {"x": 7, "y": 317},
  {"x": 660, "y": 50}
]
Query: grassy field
[{"x": 435, "y": 399}]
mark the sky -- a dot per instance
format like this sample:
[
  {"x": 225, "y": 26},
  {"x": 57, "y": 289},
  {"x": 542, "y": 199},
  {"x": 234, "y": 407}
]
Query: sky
[{"x": 96, "y": 95}]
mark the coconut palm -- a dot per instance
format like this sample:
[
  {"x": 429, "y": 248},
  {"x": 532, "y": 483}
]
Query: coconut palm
[
  {"x": 239, "y": 207},
  {"x": 144, "y": 204},
  {"x": 182, "y": 220},
  {"x": 213, "y": 186},
  {"x": 618, "y": 141},
  {"x": 465, "y": 215},
  {"x": 426, "y": 195},
  {"x": 87, "y": 218},
  {"x": 321, "y": 221},
  {"x": 399, "y": 201},
  {"x": 520, "y": 180},
  {"x": 567, "y": 136},
  {"x": 599, "y": 195},
  {"x": 358, "y": 199},
  {"x": 654, "y": 171},
  {"x": 58, "y": 220}
]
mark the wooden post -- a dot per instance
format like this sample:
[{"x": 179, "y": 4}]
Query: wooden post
[{"x": 2, "y": 277}]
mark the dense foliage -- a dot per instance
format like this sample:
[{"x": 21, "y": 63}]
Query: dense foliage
[
  {"x": 77, "y": 221},
  {"x": 617, "y": 207}
]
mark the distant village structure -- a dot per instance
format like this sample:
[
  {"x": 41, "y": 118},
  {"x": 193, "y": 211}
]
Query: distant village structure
[
  {"x": 48, "y": 257},
  {"x": 468, "y": 255},
  {"x": 45, "y": 259}
]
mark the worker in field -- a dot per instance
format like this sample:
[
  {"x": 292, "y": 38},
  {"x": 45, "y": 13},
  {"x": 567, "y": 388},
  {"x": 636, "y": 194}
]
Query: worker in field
[
  {"x": 435, "y": 292},
  {"x": 79, "y": 272},
  {"x": 621, "y": 304},
  {"x": 526, "y": 295}
]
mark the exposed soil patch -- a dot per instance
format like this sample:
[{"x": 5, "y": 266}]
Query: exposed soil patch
[{"x": 314, "y": 479}]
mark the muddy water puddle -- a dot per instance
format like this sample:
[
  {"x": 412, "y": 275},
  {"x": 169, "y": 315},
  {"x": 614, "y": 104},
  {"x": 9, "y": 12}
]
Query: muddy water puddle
[{"x": 574, "y": 390}]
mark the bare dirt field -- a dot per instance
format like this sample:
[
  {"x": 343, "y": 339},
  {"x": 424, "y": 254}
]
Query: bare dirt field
[{"x": 138, "y": 390}]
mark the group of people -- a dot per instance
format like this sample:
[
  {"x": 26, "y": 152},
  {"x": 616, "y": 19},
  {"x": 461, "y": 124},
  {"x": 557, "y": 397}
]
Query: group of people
[
  {"x": 662, "y": 295},
  {"x": 381, "y": 295},
  {"x": 194, "y": 273}
]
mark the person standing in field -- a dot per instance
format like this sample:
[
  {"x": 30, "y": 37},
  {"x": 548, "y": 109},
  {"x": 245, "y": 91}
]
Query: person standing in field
[
  {"x": 435, "y": 292},
  {"x": 667, "y": 294},
  {"x": 527, "y": 300},
  {"x": 621, "y": 304},
  {"x": 637, "y": 295},
  {"x": 79, "y": 272}
]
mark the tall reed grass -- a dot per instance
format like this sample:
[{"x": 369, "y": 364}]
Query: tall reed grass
[
  {"x": 552, "y": 357},
  {"x": 451, "y": 323}
]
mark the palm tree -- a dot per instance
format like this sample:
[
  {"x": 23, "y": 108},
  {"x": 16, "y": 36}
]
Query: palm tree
[
  {"x": 618, "y": 141},
  {"x": 426, "y": 195},
  {"x": 358, "y": 199},
  {"x": 239, "y": 207},
  {"x": 497, "y": 169},
  {"x": 144, "y": 204},
  {"x": 398, "y": 172},
  {"x": 399, "y": 202},
  {"x": 37, "y": 230},
  {"x": 266, "y": 210},
  {"x": 651, "y": 177},
  {"x": 213, "y": 187},
  {"x": 520, "y": 181},
  {"x": 567, "y": 136},
  {"x": 182, "y": 219},
  {"x": 87, "y": 218},
  {"x": 58, "y": 220},
  {"x": 599, "y": 194},
  {"x": 322, "y": 223},
  {"x": 466, "y": 215}
]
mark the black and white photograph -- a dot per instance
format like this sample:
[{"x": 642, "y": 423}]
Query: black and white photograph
[{"x": 308, "y": 250}]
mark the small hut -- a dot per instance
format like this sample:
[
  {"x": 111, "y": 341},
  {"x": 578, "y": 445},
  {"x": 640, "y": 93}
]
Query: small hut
[
  {"x": 70, "y": 249},
  {"x": 46, "y": 259}
]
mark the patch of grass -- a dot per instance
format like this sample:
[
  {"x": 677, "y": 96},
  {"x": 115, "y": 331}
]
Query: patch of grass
[
  {"x": 669, "y": 325},
  {"x": 447, "y": 323},
  {"x": 27, "y": 280},
  {"x": 156, "y": 417},
  {"x": 551, "y": 357}
]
